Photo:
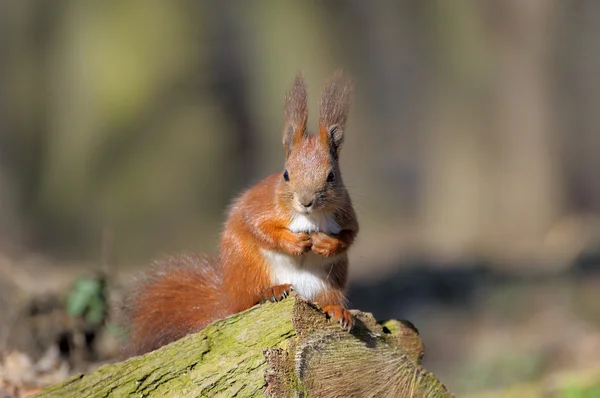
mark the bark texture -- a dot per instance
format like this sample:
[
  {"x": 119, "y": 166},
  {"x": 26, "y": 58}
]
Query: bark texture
[{"x": 285, "y": 349}]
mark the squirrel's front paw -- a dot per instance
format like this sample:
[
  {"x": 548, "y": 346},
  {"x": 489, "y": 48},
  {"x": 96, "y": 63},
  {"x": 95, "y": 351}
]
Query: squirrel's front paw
[
  {"x": 276, "y": 293},
  {"x": 324, "y": 244},
  {"x": 340, "y": 315},
  {"x": 297, "y": 243}
]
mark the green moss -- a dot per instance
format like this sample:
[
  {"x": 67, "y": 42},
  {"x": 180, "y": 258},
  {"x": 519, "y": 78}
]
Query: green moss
[{"x": 234, "y": 344}]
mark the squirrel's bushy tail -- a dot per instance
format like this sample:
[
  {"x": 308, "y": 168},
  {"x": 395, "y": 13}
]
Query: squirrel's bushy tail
[{"x": 181, "y": 295}]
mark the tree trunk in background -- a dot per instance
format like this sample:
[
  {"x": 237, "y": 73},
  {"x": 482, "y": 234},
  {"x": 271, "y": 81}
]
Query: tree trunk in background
[
  {"x": 230, "y": 69},
  {"x": 6, "y": 190},
  {"x": 454, "y": 150},
  {"x": 382, "y": 36},
  {"x": 527, "y": 171},
  {"x": 28, "y": 32},
  {"x": 580, "y": 64},
  {"x": 491, "y": 152}
]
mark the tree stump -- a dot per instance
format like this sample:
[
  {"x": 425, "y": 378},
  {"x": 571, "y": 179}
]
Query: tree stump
[{"x": 284, "y": 349}]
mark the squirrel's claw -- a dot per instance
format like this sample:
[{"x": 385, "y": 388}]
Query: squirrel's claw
[
  {"x": 341, "y": 315},
  {"x": 276, "y": 293}
]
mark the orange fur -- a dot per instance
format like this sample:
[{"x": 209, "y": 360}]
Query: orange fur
[
  {"x": 181, "y": 295},
  {"x": 293, "y": 226}
]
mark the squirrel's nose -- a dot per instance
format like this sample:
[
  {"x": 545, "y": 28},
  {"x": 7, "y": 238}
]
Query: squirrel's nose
[
  {"x": 306, "y": 199},
  {"x": 307, "y": 203}
]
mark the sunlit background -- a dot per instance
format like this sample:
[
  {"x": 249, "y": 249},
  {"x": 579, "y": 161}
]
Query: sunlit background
[{"x": 471, "y": 154}]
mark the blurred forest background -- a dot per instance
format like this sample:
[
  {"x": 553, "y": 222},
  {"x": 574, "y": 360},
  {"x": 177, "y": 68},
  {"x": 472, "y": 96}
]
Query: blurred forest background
[{"x": 472, "y": 156}]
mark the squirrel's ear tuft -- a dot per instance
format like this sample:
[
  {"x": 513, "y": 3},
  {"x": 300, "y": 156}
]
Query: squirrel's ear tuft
[
  {"x": 296, "y": 114},
  {"x": 333, "y": 109}
]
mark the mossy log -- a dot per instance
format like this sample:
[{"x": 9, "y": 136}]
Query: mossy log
[{"x": 280, "y": 349}]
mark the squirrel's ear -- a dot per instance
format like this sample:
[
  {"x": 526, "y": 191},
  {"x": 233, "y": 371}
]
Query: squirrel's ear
[
  {"x": 296, "y": 114},
  {"x": 333, "y": 109}
]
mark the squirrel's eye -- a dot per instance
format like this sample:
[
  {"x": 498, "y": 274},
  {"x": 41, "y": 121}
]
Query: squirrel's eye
[
  {"x": 286, "y": 176},
  {"x": 330, "y": 176}
]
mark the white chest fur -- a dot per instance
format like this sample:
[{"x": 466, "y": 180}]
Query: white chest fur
[
  {"x": 314, "y": 222},
  {"x": 308, "y": 273}
]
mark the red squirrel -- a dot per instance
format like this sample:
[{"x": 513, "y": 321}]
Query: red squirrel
[{"x": 290, "y": 231}]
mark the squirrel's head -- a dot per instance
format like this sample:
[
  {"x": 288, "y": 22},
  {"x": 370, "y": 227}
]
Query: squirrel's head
[{"x": 311, "y": 180}]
